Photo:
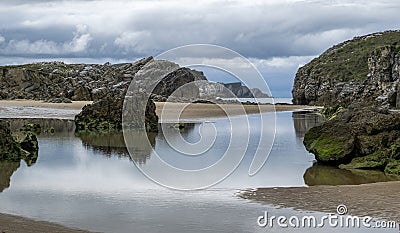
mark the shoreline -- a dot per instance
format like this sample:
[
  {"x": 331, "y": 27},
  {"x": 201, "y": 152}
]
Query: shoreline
[
  {"x": 17, "y": 224},
  {"x": 194, "y": 112},
  {"x": 378, "y": 200},
  {"x": 201, "y": 112}
]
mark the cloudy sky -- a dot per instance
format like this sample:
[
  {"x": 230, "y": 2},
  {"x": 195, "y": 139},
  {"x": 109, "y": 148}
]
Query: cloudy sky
[{"x": 276, "y": 35}]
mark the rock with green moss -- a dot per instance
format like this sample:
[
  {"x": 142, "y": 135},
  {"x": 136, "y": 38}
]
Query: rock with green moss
[
  {"x": 12, "y": 149},
  {"x": 360, "y": 138},
  {"x": 332, "y": 144},
  {"x": 393, "y": 167},
  {"x": 377, "y": 160},
  {"x": 331, "y": 112}
]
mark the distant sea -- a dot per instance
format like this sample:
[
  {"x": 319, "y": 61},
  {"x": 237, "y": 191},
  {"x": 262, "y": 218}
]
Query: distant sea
[{"x": 263, "y": 100}]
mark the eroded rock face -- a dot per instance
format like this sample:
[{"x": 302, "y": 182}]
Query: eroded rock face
[
  {"x": 360, "y": 138},
  {"x": 57, "y": 80},
  {"x": 364, "y": 69}
]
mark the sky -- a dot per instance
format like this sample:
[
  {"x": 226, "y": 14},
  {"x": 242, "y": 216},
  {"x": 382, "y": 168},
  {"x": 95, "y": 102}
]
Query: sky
[{"x": 277, "y": 36}]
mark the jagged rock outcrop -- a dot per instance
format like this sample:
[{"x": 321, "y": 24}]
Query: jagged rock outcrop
[
  {"x": 12, "y": 149},
  {"x": 51, "y": 80},
  {"x": 106, "y": 113},
  {"x": 365, "y": 69}
]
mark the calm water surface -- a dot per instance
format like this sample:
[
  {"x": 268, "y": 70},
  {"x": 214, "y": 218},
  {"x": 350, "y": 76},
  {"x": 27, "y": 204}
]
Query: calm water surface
[{"x": 90, "y": 182}]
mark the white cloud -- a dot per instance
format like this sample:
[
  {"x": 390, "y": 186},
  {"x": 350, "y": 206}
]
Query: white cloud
[
  {"x": 2, "y": 39},
  {"x": 79, "y": 43},
  {"x": 261, "y": 29},
  {"x": 133, "y": 41}
]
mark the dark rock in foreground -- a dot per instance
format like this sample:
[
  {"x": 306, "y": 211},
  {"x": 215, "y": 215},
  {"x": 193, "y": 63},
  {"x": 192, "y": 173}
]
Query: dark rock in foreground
[{"x": 363, "y": 138}]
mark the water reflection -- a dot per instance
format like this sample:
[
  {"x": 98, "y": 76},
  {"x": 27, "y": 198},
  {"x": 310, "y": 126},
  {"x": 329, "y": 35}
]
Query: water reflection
[
  {"x": 50, "y": 127},
  {"x": 327, "y": 175},
  {"x": 305, "y": 120},
  {"x": 84, "y": 182},
  {"x": 7, "y": 169}
]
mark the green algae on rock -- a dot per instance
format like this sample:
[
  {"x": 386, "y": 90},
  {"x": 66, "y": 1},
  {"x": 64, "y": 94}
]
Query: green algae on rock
[
  {"x": 12, "y": 149},
  {"x": 364, "y": 138}
]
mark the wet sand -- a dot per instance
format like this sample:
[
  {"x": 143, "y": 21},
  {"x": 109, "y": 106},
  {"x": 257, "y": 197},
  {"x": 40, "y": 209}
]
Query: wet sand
[
  {"x": 15, "y": 224},
  {"x": 40, "y": 109},
  {"x": 75, "y": 105},
  {"x": 378, "y": 200},
  {"x": 206, "y": 111}
]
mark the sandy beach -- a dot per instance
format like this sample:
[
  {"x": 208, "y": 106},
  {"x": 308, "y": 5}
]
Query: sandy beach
[
  {"x": 378, "y": 200},
  {"x": 40, "y": 109},
  {"x": 16, "y": 224},
  {"x": 200, "y": 111},
  {"x": 75, "y": 105}
]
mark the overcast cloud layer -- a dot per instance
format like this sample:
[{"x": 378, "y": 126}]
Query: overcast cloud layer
[{"x": 277, "y": 35}]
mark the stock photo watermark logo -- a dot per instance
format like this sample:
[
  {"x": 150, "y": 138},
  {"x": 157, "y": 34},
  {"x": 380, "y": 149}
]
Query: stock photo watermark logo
[
  {"x": 340, "y": 219},
  {"x": 157, "y": 73}
]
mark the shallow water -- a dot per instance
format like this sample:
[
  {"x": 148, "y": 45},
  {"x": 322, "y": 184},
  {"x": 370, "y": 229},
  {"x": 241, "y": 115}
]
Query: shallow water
[{"x": 90, "y": 182}]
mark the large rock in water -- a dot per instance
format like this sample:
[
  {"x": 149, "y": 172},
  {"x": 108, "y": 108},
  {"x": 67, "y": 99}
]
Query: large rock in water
[
  {"x": 360, "y": 138},
  {"x": 365, "y": 69}
]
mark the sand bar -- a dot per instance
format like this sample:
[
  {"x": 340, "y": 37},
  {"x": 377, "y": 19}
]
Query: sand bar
[
  {"x": 378, "y": 200},
  {"x": 40, "y": 109},
  {"x": 200, "y": 111}
]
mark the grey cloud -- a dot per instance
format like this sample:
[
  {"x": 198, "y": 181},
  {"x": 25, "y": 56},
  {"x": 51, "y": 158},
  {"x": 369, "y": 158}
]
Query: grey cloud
[
  {"x": 133, "y": 28},
  {"x": 123, "y": 30}
]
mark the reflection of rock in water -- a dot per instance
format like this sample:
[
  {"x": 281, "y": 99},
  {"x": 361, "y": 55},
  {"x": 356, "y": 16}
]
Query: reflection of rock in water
[
  {"x": 113, "y": 143},
  {"x": 53, "y": 127},
  {"x": 327, "y": 175},
  {"x": 184, "y": 129},
  {"x": 7, "y": 168},
  {"x": 305, "y": 120}
]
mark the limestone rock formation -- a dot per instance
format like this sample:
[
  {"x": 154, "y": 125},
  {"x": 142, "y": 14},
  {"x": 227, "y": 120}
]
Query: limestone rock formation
[{"x": 365, "y": 69}]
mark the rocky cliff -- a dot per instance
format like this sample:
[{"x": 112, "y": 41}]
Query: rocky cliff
[
  {"x": 225, "y": 90},
  {"x": 52, "y": 80},
  {"x": 359, "y": 82},
  {"x": 364, "y": 69}
]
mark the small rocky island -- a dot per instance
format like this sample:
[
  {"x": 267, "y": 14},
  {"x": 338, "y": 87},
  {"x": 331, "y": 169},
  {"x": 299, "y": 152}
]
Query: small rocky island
[{"x": 358, "y": 82}]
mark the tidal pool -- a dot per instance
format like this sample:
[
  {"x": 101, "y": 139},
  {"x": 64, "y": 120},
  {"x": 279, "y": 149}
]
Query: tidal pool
[{"x": 88, "y": 181}]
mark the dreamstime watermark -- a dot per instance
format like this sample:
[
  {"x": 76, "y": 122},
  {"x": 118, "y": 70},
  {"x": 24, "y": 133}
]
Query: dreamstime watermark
[
  {"x": 331, "y": 220},
  {"x": 154, "y": 73}
]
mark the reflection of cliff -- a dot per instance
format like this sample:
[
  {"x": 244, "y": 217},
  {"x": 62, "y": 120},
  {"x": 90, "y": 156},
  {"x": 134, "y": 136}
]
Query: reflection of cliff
[
  {"x": 111, "y": 143},
  {"x": 327, "y": 175},
  {"x": 304, "y": 120},
  {"x": 7, "y": 168},
  {"x": 53, "y": 127}
]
